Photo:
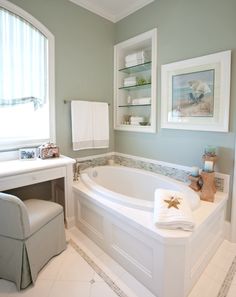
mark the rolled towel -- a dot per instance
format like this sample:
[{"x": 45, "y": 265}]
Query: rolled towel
[{"x": 172, "y": 210}]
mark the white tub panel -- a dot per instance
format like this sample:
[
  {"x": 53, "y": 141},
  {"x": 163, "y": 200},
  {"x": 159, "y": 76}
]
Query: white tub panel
[
  {"x": 132, "y": 250},
  {"x": 91, "y": 222}
]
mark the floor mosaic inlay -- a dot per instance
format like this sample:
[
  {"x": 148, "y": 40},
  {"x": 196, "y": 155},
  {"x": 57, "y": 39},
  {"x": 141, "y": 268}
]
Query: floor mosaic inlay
[
  {"x": 98, "y": 270},
  {"x": 222, "y": 292},
  {"x": 228, "y": 280}
]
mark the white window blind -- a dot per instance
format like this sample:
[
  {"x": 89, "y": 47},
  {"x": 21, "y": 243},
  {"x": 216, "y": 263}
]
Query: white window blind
[{"x": 24, "y": 83}]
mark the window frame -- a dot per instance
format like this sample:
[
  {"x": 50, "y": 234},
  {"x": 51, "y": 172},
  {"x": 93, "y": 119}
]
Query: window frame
[{"x": 51, "y": 76}]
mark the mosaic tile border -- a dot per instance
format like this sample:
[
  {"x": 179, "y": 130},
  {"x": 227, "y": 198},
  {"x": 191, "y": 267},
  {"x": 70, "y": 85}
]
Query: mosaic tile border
[
  {"x": 175, "y": 173},
  {"x": 222, "y": 292},
  {"x": 98, "y": 270},
  {"x": 228, "y": 280}
]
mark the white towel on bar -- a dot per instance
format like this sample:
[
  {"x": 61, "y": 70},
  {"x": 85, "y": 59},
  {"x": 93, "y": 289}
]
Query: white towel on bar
[
  {"x": 172, "y": 210},
  {"x": 100, "y": 125},
  {"x": 82, "y": 125},
  {"x": 90, "y": 125}
]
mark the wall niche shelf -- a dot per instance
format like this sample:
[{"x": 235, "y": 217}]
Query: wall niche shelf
[
  {"x": 137, "y": 68},
  {"x": 145, "y": 85},
  {"x": 135, "y": 83}
]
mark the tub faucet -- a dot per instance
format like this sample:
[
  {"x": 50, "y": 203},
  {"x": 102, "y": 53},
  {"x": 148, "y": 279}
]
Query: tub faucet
[{"x": 76, "y": 171}]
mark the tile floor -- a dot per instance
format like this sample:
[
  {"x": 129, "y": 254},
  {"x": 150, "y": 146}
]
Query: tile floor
[{"x": 70, "y": 275}]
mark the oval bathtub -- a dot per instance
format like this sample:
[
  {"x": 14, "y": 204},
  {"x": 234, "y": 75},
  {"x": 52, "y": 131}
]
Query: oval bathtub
[{"x": 132, "y": 187}]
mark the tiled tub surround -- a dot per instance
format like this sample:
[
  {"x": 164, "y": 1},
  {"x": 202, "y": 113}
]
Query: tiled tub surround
[
  {"x": 174, "y": 171},
  {"x": 168, "y": 262}
]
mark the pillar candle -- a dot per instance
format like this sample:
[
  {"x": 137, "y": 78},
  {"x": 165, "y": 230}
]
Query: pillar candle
[
  {"x": 208, "y": 166},
  {"x": 195, "y": 171}
]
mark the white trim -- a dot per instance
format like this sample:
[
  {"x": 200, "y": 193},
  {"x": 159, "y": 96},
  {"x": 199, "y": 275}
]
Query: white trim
[
  {"x": 95, "y": 9},
  {"x": 51, "y": 68},
  {"x": 227, "y": 230},
  {"x": 221, "y": 62},
  {"x": 10, "y": 155},
  {"x": 233, "y": 204},
  {"x": 131, "y": 9},
  {"x": 148, "y": 38},
  {"x": 95, "y": 156},
  {"x": 107, "y": 14},
  {"x": 162, "y": 163}
]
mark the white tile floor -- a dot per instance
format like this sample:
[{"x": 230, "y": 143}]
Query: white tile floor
[{"x": 70, "y": 275}]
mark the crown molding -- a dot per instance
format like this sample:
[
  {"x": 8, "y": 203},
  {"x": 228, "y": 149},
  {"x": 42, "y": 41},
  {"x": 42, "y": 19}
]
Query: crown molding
[{"x": 105, "y": 13}]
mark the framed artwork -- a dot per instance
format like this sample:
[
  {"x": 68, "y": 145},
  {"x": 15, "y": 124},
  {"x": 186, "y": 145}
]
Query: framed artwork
[
  {"x": 195, "y": 93},
  {"x": 27, "y": 154}
]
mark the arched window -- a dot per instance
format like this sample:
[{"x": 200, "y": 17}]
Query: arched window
[{"x": 26, "y": 79}]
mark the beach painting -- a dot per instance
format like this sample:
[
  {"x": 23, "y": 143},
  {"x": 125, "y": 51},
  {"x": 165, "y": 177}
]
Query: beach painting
[{"x": 193, "y": 94}]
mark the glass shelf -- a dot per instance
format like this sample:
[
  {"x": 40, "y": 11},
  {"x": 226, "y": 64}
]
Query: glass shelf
[
  {"x": 147, "y": 85},
  {"x": 134, "y": 105},
  {"x": 137, "y": 68}
]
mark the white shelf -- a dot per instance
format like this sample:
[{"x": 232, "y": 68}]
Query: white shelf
[{"x": 145, "y": 87}]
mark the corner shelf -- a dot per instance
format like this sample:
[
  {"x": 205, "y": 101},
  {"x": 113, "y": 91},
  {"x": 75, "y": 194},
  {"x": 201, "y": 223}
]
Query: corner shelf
[{"x": 143, "y": 45}]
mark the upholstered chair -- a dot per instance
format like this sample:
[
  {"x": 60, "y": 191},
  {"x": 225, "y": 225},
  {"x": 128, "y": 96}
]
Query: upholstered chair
[{"x": 31, "y": 233}]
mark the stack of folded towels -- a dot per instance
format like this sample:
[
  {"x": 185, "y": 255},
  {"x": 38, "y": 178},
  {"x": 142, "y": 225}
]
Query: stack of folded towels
[
  {"x": 136, "y": 120},
  {"x": 135, "y": 58},
  {"x": 172, "y": 210},
  {"x": 130, "y": 81},
  {"x": 144, "y": 100}
]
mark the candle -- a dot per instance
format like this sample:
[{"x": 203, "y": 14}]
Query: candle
[
  {"x": 210, "y": 150},
  {"x": 195, "y": 171},
  {"x": 208, "y": 166}
]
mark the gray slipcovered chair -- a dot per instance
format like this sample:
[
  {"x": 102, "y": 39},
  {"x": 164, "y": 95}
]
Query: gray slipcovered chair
[{"x": 31, "y": 233}]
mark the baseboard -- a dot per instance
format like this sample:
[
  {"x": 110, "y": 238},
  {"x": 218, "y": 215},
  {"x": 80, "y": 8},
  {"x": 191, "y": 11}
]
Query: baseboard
[
  {"x": 227, "y": 230},
  {"x": 70, "y": 222}
]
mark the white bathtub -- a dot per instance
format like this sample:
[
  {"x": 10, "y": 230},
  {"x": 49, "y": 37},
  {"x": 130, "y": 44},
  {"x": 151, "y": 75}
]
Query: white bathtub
[
  {"x": 132, "y": 187},
  {"x": 113, "y": 206}
]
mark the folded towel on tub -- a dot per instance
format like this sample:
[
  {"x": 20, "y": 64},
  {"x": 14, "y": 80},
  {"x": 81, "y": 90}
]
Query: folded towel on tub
[{"x": 172, "y": 210}]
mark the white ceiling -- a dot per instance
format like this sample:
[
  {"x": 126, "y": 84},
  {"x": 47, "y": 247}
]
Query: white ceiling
[{"x": 113, "y": 10}]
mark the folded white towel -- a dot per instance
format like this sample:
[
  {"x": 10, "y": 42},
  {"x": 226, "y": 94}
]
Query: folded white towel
[
  {"x": 135, "y": 56},
  {"x": 172, "y": 210},
  {"x": 145, "y": 100},
  {"x": 134, "y": 62},
  {"x": 130, "y": 81},
  {"x": 82, "y": 125}
]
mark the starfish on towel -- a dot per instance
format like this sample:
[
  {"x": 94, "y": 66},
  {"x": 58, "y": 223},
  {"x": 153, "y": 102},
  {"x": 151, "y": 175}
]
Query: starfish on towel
[{"x": 173, "y": 202}]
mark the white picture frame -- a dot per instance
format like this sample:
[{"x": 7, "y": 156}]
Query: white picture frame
[
  {"x": 27, "y": 154},
  {"x": 195, "y": 93}
]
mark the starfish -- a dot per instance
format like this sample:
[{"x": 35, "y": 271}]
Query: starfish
[{"x": 172, "y": 202}]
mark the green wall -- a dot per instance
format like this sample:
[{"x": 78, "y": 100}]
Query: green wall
[
  {"x": 83, "y": 61},
  {"x": 186, "y": 29},
  {"x": 84, "y": 68}
]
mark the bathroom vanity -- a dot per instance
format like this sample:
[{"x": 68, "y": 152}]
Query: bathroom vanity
[{"x": 20, "y": 173}]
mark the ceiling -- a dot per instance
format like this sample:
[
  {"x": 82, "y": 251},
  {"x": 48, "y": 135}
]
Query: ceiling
[{"x": 113, "y": 10}]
